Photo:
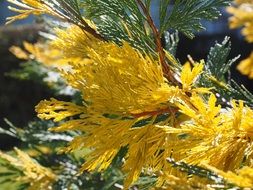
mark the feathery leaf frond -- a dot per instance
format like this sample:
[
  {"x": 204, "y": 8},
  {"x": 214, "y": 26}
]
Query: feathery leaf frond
[{"x": 185, "y": 15}]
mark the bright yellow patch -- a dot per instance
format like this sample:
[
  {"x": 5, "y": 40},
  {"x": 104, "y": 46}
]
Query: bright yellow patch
[
  {"x": 246, "y": 66},
  {"x": 189, "y": 75},
  {"x": 41, "y": 52},
  {"x": 111, "y": 81},
  {"x": 221, "y": 138}
]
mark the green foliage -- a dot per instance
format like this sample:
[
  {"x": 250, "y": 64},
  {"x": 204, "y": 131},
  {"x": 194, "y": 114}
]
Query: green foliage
[
  {"x": 185, "y": 15},
  {"x": 45, "y": 76},
  {"x": 171, "y": 42},
  {"x": 36, "y": 135},
  {"x": 8, "y": 176},
  {"x": 217, "y": 75},
  {"x": 119, "y": 20},
  {"x": 240, "y": 92},
  {"x": 217, "y": 63},
  {"x": 216, "y": 181},
  {"x": 29, "y": 70},
  {"x": 196, "y": 170},
  {"x": 67, "y": 9}
]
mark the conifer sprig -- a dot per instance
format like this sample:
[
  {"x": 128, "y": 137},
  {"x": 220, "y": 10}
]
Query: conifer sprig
[
  {"x": 185, "y": 15},
  {"x": 217, "y": 75},
  {"x": 119, "y": 21},
  {"x": 216, "y": 181},
  {"x": 159, "y": 48}
]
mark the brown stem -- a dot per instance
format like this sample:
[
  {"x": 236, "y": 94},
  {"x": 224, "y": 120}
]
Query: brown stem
[
  {"x": 93, "y": 32},
  {"x": 83, "y": 25},
  {"x": 79, "y": 21},
  {"x": 157, "y": 112},
  {"x": 159, "y": 48}
]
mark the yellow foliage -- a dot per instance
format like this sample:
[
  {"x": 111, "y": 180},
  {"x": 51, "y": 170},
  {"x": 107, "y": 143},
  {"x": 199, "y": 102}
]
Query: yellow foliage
[
  {"x": 106, "y": 64},
  {"x": 42, "y": 52},
  {"x": 242, "y": 177},
  {"x": 75, "y": 42},
  {"x": 243, "y": 17},
  {"x": 201, "y": 113},
  {"x": 122, "y": 87},
  {"x": 58, "y": 110},
  {"x": 246, "y": 66},
  {"x": 19, "y": 52},
  {"x": 188, "y": 75},
  {"x": 106, "y": 136},
  {"x": 221, "y": 138},
  {"x": 38, "y": 177},
  {"x": 28, "y": 7}
]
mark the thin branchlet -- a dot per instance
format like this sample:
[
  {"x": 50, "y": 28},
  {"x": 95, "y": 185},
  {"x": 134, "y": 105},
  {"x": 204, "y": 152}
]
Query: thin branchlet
[
  {"x": 78, "y": 19},
  {"x": 159, "y": 48}
]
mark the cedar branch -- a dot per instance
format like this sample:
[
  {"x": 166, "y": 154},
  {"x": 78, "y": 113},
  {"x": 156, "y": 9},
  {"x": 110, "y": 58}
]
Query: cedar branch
[
  {"x": 159, "y": 48},
  {"x": 78, "y": 19}
]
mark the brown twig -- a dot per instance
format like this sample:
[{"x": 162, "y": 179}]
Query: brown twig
[
  {"x": 157, "y": 112},
  {"x": 78, "y": 19},
  {"x": 159, "y": 48},
  {"x": 92, "y": 31}
]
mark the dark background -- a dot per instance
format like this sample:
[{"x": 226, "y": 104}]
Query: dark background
[{"x": 18, "y": 98}]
